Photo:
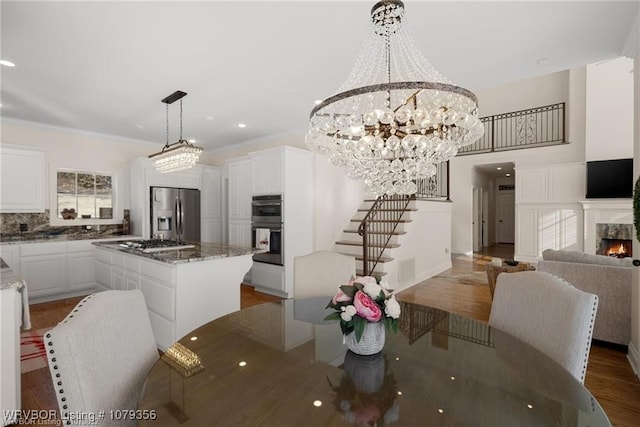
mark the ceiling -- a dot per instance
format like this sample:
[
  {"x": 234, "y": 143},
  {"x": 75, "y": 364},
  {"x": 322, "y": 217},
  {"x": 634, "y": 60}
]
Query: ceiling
[
  {"x": 105, "y": 66},
  {"x": 497, "y": 170}
]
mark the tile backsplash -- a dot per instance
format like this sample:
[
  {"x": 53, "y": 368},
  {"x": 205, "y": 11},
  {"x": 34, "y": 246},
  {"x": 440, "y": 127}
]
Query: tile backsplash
[{"x": 38, "y": 227}]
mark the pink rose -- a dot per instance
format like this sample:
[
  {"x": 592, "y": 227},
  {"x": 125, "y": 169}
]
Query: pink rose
[
  {"x": 340, "y": 297},
  {"x": 366, "y": 307}
]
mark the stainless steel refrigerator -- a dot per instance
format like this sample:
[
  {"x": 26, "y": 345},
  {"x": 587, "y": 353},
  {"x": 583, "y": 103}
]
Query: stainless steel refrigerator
[{"x": 175, "y": 213}]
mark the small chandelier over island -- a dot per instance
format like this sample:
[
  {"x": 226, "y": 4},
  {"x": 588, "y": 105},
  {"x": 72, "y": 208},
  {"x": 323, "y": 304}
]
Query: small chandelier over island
[
  {"x": 179, "y": 155},
  {"x": 396, "y": 117}
]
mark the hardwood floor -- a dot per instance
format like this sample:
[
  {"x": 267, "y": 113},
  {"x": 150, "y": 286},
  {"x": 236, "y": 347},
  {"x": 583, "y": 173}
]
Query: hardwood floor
[{"x": 609, "y": 375}]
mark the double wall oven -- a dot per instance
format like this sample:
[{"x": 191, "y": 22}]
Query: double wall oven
[{"x": 266, "y": 228}]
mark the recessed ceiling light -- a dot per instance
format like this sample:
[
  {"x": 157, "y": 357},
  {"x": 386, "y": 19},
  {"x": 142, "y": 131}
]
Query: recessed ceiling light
[
  {"x": 7, "y": 63},
  {"x": 317, "y": 403},
  {"x": 242, "y": 125},
  {"x": 507, "y": 174},
  {"x": 499, "y": 168}
]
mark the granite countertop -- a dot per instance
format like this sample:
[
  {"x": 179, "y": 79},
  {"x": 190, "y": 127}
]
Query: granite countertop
[
  {"x": 46, "y": 237},
  {"x": 202, "y": 251},
  {"x": 8, "y": 278}
]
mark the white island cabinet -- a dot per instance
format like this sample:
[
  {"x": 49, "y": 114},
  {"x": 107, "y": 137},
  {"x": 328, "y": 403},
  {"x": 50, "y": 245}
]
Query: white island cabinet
[{"x": 183, "y": 289}]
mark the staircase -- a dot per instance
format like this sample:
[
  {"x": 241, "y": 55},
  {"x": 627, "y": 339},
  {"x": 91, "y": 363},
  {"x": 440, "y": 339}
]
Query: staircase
[{"x": 385, "y": 219}]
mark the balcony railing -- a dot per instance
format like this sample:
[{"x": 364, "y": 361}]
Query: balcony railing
[{"x": 534, "y": 127}]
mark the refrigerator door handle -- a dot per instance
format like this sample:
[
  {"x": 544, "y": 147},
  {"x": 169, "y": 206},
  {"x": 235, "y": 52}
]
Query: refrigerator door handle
[
  {"x": 181, "y": 231},
  {"x": 176, "y": 214}
]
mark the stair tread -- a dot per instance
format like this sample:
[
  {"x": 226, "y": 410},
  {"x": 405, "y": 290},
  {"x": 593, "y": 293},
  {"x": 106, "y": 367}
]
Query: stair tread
[
  {"x": 390, "y": 210},
  {"x": 354, "y": 243},
  {"x": 384, "y": 220},
  {"x": 359, "y": 258},
  {"x": 395, "y": 233}
]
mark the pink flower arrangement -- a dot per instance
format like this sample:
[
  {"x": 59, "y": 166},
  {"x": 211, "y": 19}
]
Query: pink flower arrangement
[{"x": 363, "y": 300}]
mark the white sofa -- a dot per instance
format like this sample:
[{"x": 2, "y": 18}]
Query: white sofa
[{"x": 607, "y": 277}]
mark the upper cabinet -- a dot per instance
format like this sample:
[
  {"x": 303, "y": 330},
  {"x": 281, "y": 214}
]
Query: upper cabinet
[
  {"x": 267, "y": 171},
  {"x": 207, "y": 179},
  {"x": 211, "y": 221},
  {"x": 240, "y": 188},
  {"x": 551, "y": 184},
  {"x": 22, "y": 176}
]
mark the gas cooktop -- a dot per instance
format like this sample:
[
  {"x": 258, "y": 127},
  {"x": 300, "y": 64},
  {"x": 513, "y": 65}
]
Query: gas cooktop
[{"x": 148, "y": 246}]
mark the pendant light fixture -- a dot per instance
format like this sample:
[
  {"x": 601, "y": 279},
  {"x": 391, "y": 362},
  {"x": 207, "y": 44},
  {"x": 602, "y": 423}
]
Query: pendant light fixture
[
  {"x": 395, "y": 117},
  {"x": 179, "y": 155}
]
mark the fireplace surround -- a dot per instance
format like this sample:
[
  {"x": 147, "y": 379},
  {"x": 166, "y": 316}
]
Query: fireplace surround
[{"x": 610, "y": 220}]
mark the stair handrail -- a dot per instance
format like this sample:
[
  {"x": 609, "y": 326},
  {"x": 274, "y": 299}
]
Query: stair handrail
[{"x": 391, "y": 216}]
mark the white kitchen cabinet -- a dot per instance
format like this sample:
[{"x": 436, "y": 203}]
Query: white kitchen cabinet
[
  {"x": 22, "y": 177},
  {"x": 211, "y": 209},
  {"x": 269, "y": 277},
  {"x": 44, "y": 268},
  {"x": 267, "y": 171},
  {"x": 287, "y": 171},
  {"x": 81, "y": 265},
  {"x": 240, "y": 232},
  {"x": 240, "y": 188}
]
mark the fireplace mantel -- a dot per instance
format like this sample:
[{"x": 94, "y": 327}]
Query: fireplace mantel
[
  {"x": 607, "y": 204},
  {"x": 604, "y": 211}
]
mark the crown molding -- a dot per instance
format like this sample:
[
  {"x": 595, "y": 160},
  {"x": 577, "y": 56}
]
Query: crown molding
[
  {"x": 43, "y": 126},
  {"x": 631, "y": 47}
]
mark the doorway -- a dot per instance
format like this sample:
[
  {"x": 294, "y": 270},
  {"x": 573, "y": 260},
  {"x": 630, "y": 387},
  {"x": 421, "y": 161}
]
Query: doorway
[
  {"x": 493, "y": 211},
  {"x": 506, "y": 214}
]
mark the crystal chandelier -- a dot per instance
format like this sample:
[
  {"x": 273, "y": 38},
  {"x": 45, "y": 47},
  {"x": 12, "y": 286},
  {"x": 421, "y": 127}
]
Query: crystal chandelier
[
  {"x": 395, "y": 117},
  {"x": 179, "y": 155}
]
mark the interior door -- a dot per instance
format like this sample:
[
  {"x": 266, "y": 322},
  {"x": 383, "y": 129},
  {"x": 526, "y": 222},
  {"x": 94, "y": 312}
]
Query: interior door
[
  {"x": 476, "y": 220},
  {"x": 506, "y": 217}
]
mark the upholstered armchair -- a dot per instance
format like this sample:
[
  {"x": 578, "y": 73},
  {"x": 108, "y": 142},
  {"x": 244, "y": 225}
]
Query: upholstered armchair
[{"x": 100, "y": 355}]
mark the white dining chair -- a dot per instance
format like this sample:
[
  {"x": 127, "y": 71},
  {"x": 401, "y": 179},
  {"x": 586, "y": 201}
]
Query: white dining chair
[
  {"x": 99, "y": 356},
  {"x": 548, "y": 313},
  {"x": 321, "y": 273}
]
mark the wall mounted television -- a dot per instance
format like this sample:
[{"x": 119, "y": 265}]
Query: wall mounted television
[{"x": 610, "y": 179}]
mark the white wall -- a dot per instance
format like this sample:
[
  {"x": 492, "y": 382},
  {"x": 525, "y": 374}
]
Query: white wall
[
  {"x": 523, "y": 94},
  {"x": 566, "y": 86},
  {"x": 68, "y": 148},
  {"x": 609, "y": 110}
]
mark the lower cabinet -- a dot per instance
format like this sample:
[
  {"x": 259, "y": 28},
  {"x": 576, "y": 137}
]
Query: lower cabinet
[
  {"x": 268, "y": 278},
  {"x": 56, "y": 270},
  {"x": 43, "y": 267}
]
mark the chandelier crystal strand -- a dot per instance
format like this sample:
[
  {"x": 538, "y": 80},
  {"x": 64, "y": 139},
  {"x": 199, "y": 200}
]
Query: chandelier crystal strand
[{"x": 395, "y": 117}]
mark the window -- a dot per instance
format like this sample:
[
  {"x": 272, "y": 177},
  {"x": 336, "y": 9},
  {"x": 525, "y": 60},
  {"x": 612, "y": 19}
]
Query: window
[{"x": 84, "y": 195}]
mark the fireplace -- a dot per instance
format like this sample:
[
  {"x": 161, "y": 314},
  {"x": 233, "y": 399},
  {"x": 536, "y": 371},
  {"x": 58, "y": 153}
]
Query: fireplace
[
  {"x": 619, "y": 248},
  {"x": 614, "y": 240}
]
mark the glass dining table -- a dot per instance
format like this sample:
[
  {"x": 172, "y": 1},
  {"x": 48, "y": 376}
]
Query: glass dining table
[{"x": 282, "y": 364}]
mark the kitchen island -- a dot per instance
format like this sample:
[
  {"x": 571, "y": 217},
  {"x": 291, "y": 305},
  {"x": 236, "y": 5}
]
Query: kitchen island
[{"x": 183, "y": 288}]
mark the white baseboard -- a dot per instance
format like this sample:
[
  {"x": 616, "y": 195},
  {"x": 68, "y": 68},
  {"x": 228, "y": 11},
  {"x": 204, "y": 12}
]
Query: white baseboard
[{"x": 634, "y": 359}]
